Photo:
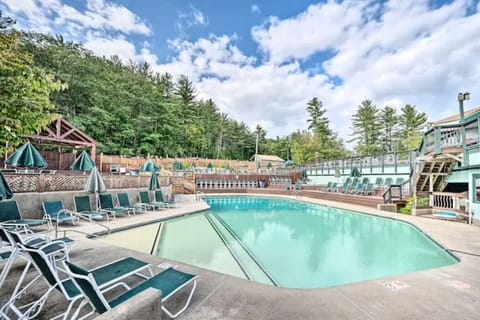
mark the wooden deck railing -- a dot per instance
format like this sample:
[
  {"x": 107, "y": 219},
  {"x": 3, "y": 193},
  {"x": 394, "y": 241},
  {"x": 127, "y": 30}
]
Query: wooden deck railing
[
  {"x": 397, "y": 192},
  {"x": 450, "y": 136},
  {"x": 449, "y": 201}
]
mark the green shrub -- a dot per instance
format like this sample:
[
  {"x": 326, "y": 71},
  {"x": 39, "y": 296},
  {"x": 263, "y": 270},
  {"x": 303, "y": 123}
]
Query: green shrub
[{"x": 408, "y": 207}]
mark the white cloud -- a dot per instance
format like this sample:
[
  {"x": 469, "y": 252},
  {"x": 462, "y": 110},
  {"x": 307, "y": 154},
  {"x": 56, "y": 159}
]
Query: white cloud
[
  {"x": 99, "y": 15},
  {"x": 255, "y": 8},
  {"x": 190, "y": 18},
  {"x": 121, "y": 47},
  {"x": 320, "y": 27},
  {"x": 199, "y": 18}
]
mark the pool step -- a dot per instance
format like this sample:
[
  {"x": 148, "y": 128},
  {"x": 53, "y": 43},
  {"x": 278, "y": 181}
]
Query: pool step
[{"x": 247, "y": 262}]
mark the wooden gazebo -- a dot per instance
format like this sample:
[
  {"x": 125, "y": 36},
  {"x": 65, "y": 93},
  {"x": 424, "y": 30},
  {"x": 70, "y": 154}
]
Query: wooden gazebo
[{"x": 60, "y": 133}]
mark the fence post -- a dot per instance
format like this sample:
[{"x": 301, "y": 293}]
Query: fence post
[
  {"x": 395, "y": 161},
  {"x": 41, "y": 183},
  {"x": 382, "y": 160},
  {"x": 438, "y": 146}
]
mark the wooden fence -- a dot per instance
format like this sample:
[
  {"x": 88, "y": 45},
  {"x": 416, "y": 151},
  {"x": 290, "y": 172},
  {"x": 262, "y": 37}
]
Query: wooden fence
[{"x": 105, "y": 162}]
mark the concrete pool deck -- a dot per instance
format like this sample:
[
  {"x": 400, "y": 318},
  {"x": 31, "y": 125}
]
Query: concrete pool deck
[{"x": 451, "y": 292}]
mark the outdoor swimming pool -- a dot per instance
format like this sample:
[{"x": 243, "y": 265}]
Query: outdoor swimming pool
[{"x": 288, "y": 243}]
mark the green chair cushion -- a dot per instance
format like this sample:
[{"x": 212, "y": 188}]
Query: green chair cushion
[
  {"x": 62, "y": 218},
  {"x": 166, "y": 281},
  {"x": 64, "y": 239},
  {"x": 29, "y": 222},
  {"x": 5, "y": 255},
  {"x": 117, "y": 269},
  {"x": 117, "y": 210},
  {"x": 53, "y": 247},
  {"x": 71, "y": 288},
  {"x": 93, "y": 213}
]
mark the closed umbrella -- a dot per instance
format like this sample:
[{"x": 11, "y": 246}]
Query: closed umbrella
[
  {"x": 5, "y": 191},
  {"x": 304, "y": 174},
  {"x": 154, "y": 184},
  {"x": 355, "y": 172},
  {"x": 149, "y": 166},
  {"x": 337, "y": 173},
  {"x": 26, "y": 157},
  {"x": 83, "y": 163},
  {"x": 95, "y": 184}
]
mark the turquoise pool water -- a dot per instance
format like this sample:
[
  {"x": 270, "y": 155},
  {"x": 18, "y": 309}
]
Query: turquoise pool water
[
  {"x": 289, "y": 243},
  {"x": 445, "y": 214}
]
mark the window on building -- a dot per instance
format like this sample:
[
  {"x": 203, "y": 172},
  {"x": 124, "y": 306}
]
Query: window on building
[{"x": 476, "y": 187}]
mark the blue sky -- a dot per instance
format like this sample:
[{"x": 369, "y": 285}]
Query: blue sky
[{"x": 261, "y": 61}]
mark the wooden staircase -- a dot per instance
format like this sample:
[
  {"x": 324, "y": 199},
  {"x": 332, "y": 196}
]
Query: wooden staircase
[
  {"x": 433, "y": 174},
  {"x": 185, "y": 183}
]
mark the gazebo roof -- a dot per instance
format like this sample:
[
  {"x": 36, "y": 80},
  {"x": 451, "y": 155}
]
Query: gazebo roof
[{"x": 62, "y": 132}]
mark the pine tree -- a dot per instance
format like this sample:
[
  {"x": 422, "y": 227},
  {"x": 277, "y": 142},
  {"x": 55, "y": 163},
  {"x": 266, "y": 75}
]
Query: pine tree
[
  {"x": 366, "y": 129},
  {"x": 411, "y": 123},
  {"x": 389, "y": 126}
]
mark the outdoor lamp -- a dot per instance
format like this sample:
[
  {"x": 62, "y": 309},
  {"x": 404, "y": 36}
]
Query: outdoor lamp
[{"x": 463, "y": 96}]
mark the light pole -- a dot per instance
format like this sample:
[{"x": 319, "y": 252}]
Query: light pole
[
  {"x": 256, "y": 152},
  {"x": 462, "y": 97}
]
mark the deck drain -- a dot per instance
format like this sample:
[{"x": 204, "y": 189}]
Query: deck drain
[
  {"x": 395, "y": 285},
  {"x": 166, "y": 265}
]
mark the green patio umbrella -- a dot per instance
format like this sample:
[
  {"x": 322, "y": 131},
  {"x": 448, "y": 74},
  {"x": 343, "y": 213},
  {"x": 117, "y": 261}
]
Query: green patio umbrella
[
  {"x": 154, "y": 184},
  {"x": 83, "y": 163},
  {"x": 149, "y": 166},
  {"x": 269, "y": 165},
  {"x": 209, "y": 165},
  {"x": 95, "y": 184},
  {"x": 177, "y": 165},
  {"x": 26, "y": 157},
  {"x": 304, "y": 174},
  {"x": 355, "y": 172},
  {"x": 5, "y": 191}
]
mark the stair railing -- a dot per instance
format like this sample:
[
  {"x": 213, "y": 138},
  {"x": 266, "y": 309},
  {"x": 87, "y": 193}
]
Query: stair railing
[{"x": 403, "y": 189}]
